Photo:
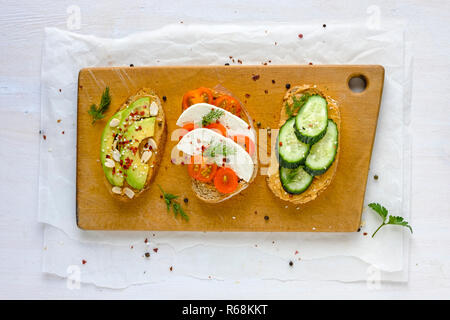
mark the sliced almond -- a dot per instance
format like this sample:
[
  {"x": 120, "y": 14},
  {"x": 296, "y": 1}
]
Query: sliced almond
[
  {"x": 116, "y": 155},
  {"x": 110, "y": 163},
  {"x": 114, "y": 122},
  {"x": 152, "y": 143},
  {"x": 153, "y": 109},
  {"x": 128, "y": 192},
  {"x": 116, "y": 190},
  {"x": 146, "y": 156}
]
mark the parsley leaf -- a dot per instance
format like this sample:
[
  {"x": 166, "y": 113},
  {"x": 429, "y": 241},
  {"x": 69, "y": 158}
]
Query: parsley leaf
[
  {"x": 393, "y": 220},
  {"x": 169, "y": 199},
  {"x": 212, "y": 116},
  {"x": 97, "y": 113}
]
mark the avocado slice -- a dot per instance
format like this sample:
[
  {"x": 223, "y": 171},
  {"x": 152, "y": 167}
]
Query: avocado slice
[
  {"x": 139, "y": 109},
  {"x": 106, "y": 151},
  {"x": 136, "y": 171},
  {"x": 135, "y": 111}
]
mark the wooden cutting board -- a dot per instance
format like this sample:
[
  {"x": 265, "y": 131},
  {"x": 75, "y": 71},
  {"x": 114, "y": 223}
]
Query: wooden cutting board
[{"x": 338, "y": 209}]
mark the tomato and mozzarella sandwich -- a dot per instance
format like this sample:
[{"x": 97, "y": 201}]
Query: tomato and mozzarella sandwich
[{"x": 218, "y": 143}]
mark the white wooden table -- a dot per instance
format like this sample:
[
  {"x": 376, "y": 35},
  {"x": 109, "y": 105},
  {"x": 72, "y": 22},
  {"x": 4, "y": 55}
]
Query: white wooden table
[{"x": 21, "y": 38}]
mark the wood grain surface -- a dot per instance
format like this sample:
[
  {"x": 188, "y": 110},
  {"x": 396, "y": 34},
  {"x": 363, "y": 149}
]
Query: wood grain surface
[{"x": 338, "y": 209}]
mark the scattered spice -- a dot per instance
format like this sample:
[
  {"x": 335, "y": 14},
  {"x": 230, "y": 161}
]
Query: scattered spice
[
  {"x": 62, "y": 132},
  {"x": 365, "y": 233},
  {"x": 300, "y": 36},
  {"x": 83, "y": 261},
  {"x": 239, "y": 61},
  {"x": 147, "y": 255},
  {"x": 227, "y": 64},
  {"x": 164, "y": 98},
  {"x": 146, "y": 240},
  {"x": 296, "y": 252},
  {"x": 255, "y": 77},
  {"x": 247, "y": 95},
  {"x": 155, "y": 250},
  {"x": 273, "y": 81},
  {"x": 171, "y": 268},
  {"x": 291, "y": 263},
  {"x": 59, "y": 120},
  {"x": 359, "y": 229},
  {"x": 310, "y": 63},
  {"x": 258, "y": 124},
  {"x": 375, "y": 177},
  {"x": 324, "y": 25},
  {"x": 59, "y": 90},
  {"x": 186, "y": 200},
  {"x": 45, "y": 137},
  {"x": 288, "y": 86},
  {"x": 266, "y": 218},
  {"x": 266, "y": 91},
  {"x": 131, "y": 65}
]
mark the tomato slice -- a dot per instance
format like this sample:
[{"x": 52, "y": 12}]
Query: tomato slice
[
  {"x": 245, "y": 142},
  {"x": 218, "y": 128},
  {"x": 226, "y": 180},
  {"x": 200, "y": 170},
  {"x": 197, "y": 96},
  {"x": 229, "y": 103}
]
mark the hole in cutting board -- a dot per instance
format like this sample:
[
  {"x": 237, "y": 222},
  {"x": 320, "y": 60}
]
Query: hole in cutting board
[{"x": 357, "y": 83}]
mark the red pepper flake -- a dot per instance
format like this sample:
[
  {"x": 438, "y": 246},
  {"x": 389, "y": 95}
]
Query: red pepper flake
[
  {"x": 276, "y": 43},
  {"x": 59, "y": 120},
  {"x": 310, "y": 63},
  {"x": 171, "y": 268},
  {"x": 248, "y": 127},
  {"x": 45, "y": 137},
  {"x": 132, "y": 247},
  {"x": 239, "y": 61},
  {"x": 62, "y": 132},
  {"x": 247, "y": 95},
  {"x": 83, "y": 261},
  {"x": 155, "y": 250},
  {"x": 281, "y": 143},
  {"x": 296, "y": 252},
  {"x": 300, "y": 36},
  {"x": 255, "y": 77},
  {"x": 142, "y": 113},
  {"x": 365, "y": 233},
  {"x": 114, "y": 170},
  {"x": 146, "y": 240}
]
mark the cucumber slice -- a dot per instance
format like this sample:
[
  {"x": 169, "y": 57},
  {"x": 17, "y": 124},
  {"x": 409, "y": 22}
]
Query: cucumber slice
[
  {"x": 295, "y": 181},
  {"x": 311, "y": 121},
  {"x": 323, "y": 153},
  {"x": 291, "y": 151}
]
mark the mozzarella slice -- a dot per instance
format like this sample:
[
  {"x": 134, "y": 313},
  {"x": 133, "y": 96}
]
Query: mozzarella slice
[
  {"x": 203, "y": 141},
  {"x": 233, "y": 124}
]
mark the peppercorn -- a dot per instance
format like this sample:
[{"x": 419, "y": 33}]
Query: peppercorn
[
  {"x": 186, "y": 200},
  {"x": 288, "y": 86},
  {"x": 291, "y": 263},
  {"x": 164, "y": 98},
  {"x": 375, "y": 177},
  {"x": 147, "y": 255},
  {"x": 266, "y": 218}
]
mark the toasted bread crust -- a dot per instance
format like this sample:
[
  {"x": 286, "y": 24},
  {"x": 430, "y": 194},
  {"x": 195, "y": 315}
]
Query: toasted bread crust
[
  {"x": 160, "y": 137},
  {"x": 320, "y": 183},
  {"x": 207, "y": 192}
]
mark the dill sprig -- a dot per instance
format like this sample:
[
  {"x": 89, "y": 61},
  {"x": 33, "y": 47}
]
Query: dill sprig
[
  {"x": 297, "y": 104},
  {"x": 169, "y": 199},
  {"x": 212, "y": 116},
  {"x": 97, "y": 113}
]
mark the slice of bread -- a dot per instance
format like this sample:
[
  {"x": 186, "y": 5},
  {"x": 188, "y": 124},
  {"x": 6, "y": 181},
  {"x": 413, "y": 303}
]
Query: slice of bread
[
  {"x": 207, "y": 192},
  {"x": 159, "y": 137},
  {"x": 320, "y": 183}
]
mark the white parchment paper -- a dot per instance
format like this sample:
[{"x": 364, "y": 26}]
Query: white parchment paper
[{"x": 117, "y": 259}]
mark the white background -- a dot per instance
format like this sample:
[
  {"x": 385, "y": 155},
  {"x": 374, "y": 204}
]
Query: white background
[{"x": 21, "y": 32}]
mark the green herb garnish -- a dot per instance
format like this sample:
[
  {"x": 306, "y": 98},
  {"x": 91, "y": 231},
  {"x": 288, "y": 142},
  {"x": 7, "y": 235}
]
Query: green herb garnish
[
  {"x": 97, "y": 112},
  {"x": 394, "y": 220},
  {"x": 212, "y": 116},
  {"x": 169, "y": 199},
  {"x": 218, "y": 149},
  {"x": 297, "y": 104}
]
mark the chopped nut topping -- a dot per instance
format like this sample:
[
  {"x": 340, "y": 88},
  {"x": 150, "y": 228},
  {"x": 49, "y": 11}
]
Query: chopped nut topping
[
  {"x": 114, "y": 122},
  {"x": 129, "y": 193},
  {"x": 116, "y": 190}
]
